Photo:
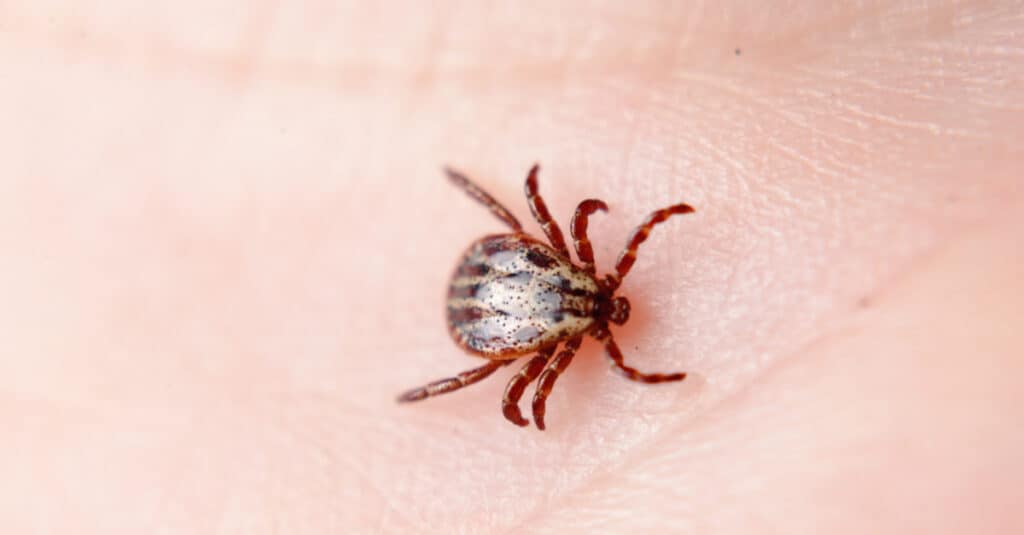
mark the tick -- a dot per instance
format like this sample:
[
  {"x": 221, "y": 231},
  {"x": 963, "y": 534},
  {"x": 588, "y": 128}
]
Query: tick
[{"x": 513, "y": 295}]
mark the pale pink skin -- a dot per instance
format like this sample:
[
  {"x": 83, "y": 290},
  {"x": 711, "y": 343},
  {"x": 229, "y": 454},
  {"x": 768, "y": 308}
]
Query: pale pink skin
[{"x": 226, "y": 238}]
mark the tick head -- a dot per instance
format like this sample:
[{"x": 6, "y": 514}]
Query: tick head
[
  {"x": 620, "y": 310},
  {"x": 613, "y": 309}
]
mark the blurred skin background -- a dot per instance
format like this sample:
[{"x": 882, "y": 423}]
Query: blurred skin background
[{"x": 225, "y": 240}]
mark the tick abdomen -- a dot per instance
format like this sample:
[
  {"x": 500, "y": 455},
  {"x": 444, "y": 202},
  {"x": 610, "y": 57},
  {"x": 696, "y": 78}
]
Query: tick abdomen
[{"x": 512, "y": 294}]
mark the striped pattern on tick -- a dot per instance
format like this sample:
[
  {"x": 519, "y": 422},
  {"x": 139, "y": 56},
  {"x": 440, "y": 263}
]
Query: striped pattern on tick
[{"x": 512, "y": 294}]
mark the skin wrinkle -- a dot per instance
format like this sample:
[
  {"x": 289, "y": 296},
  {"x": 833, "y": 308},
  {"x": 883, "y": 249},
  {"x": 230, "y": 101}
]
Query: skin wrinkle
[
  {"x": 767, "y": 106},
  {"x": 291, "y": 70},
  {"x": 321, "y": 440}
]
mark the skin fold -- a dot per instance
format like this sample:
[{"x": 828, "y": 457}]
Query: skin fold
[{"x": 225, "y": 239}]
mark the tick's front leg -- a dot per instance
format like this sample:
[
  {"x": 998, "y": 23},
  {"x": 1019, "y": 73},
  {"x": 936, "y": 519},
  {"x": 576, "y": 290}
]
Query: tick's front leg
[
  {"x": 578, "y": 228},
  {"x": 628, "y": 255}
]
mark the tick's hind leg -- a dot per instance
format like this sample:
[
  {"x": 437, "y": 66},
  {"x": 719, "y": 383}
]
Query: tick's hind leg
[
  {"x": 483, "y": 198},
  {"x": 628, "y": 255},
  {"x": 514, "y": 391},
  {"x": 631, "y": 373},
  {"x": 443, "y": 386},
  {"x": 578, "y": 228},
  {"x": 547, "y": 380},
  {"x": 541, "y": 214}
]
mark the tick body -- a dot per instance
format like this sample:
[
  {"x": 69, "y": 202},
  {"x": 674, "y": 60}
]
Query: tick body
[{"x": 513, "y": 296}]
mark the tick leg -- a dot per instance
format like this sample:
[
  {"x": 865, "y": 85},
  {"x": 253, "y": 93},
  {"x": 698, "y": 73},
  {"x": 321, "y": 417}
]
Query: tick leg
[
  {"x": 514, "y": 391},
  {"x": 547, "y": 379},
  {"x": 483, "y": 198},
  {"x": 444, "y": 386},
  {"x": 628, "y": 255},
  {"x": 578, "y": 228},
  {"x": 541, "y": 214},
  {"x": 631, "y": 373}
]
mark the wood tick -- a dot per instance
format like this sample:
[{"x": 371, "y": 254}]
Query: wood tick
[{"x": 513, "y": 295}]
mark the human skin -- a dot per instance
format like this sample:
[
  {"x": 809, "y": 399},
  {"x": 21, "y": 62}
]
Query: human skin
[{"x": 225, "y": 239}]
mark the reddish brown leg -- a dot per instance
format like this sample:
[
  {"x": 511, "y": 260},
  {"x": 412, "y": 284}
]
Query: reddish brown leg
[
  {"x": 443, "y": 386},
  {"x": 514, "y": 391},
  {"x": 483, "y": 198},
  {"x": 631, "y": 373},
  {"x": 547, "y": 379},
  {"x": 578, "y": 229},
  {"x": 628, "y": 255},
  {"x": 541, "y": 214}
]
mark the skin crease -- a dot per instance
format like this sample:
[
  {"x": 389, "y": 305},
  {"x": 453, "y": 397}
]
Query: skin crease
[{"x": 225, "y": 240}]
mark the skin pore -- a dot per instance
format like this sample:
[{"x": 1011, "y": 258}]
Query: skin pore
[{"x": 226, "y": 238}]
